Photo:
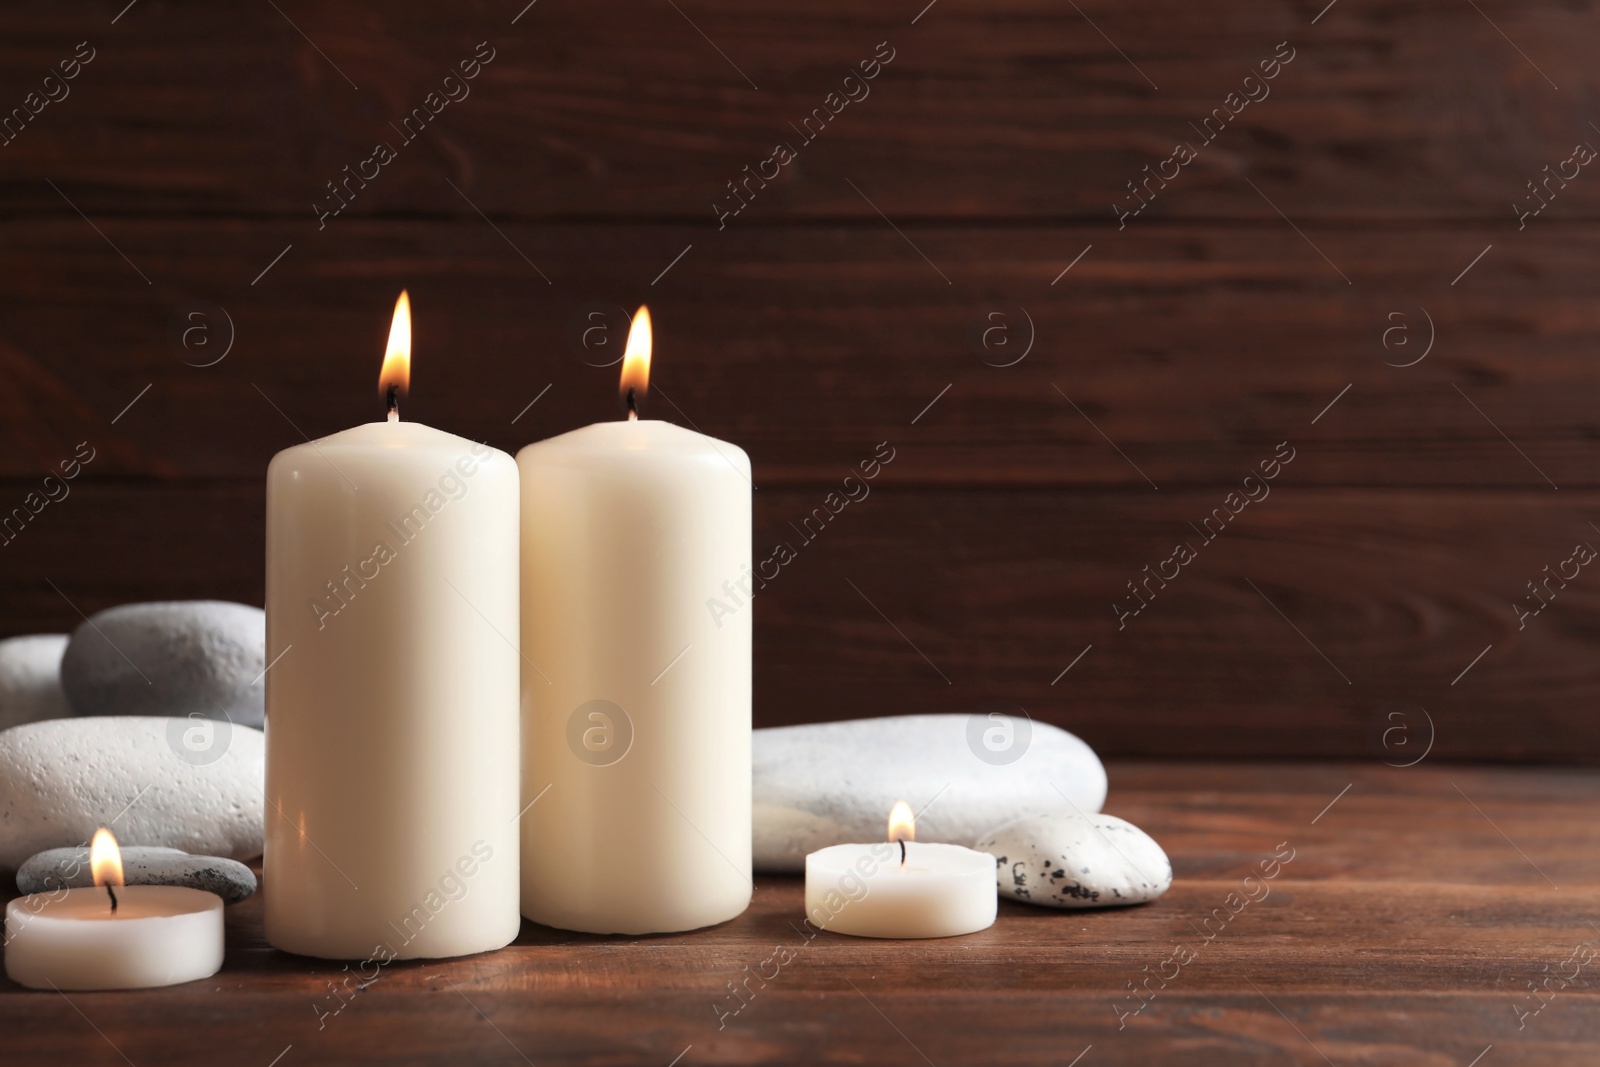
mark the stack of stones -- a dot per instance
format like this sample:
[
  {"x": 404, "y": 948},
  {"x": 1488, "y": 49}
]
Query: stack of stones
[
  {"x": 1027, "y": 793},
  {"x": 147, "y": 720}
]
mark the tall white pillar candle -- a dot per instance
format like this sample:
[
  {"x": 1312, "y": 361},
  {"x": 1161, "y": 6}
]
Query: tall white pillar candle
[
  {"x": 636, "y": 693},
  {"x": 392, "y": 716}
]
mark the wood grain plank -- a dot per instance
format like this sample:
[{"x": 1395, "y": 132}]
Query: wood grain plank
[
  {"x": 992, "y": 595},
  {"x": 1171, "y": 358},
  {"x": 1025, "y": 109}
]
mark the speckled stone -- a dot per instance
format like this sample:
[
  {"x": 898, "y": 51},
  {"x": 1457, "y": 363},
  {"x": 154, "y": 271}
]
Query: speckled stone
[
  {"x": 30, "y": 679},
  {"x": 831, "y": 783},
  {"x": 176, "y": 658},
  {"x": 62, "y": 779},
  {"x": 68, "y": 868},
  {"x": 1071, "y": 860}
]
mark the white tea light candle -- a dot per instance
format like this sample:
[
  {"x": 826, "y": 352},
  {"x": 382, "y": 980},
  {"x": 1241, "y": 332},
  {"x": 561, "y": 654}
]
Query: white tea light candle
[
  {"x": 133, "y": 937},
  {"x": 901, "y": 888}
]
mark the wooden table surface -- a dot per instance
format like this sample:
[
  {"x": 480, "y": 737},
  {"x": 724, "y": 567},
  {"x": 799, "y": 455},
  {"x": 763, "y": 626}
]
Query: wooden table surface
[{"x": 1410, "y": 914}]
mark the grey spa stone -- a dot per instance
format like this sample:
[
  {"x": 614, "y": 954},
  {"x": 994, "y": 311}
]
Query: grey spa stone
[
  {"x": 30, "y": 679},
  {"x": 177, "y": 658},
  {"x": 68, "y": 868},
  {"x": 1069, "y": 859}
]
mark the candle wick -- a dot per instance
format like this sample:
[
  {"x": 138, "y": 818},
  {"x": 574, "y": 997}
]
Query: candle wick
[
  {"x": 393, "y": 400},
  {"x": 902, "y": 852},
  {"x": 113, "y": 897},
  {"x": 631, "y": 402}
]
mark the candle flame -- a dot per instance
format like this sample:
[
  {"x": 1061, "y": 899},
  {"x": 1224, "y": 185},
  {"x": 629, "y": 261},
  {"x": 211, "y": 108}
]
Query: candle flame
[
  {"x": 635, "y": 383},
  {"x": 902, "y": 824},
  {"x": 396, "y": 372},
  {"x": 105, "y": 859}
]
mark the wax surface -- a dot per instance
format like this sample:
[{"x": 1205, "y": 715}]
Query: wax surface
[
  {"x": 940, "y": 891},
  {"x": 392, "y": 716},
  {"x": 636, "y": 689},
  {"x": 71, "y": 939}
]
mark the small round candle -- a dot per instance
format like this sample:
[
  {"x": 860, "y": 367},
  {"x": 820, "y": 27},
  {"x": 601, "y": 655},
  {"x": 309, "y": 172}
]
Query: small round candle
[
  {"x": 113, "y": 936},
  {"x": 71, "y": 939},
  {"x": 901, "y": 888}
]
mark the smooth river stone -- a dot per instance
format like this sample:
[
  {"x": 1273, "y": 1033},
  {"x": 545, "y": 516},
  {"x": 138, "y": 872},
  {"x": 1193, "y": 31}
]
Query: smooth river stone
[
  {"x": 68, "y": 868},
  {"x": 1069, "y": 860},
  {"x": 145, "y": 778},
  {"x": 178, "y": 658},
  {"x": 30, "y": 679},
  {"x": 832, "y": 783}
]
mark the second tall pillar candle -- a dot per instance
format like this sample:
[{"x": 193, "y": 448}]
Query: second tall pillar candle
[{"x": 635, "y": 685}]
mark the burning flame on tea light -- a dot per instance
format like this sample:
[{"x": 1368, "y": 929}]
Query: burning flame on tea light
[
  {"x": 105, "y": 862},
  {"x": 902, "y": 826}
]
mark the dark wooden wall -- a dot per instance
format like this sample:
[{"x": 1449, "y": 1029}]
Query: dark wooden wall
[{"x": 1252, "y": 292}]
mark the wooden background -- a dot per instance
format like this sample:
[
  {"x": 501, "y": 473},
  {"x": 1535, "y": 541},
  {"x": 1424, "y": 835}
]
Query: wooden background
[{"x": 1254, "y": 291}]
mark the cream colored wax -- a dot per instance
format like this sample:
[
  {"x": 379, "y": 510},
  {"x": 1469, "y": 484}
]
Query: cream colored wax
[
  {"x": 936, "y": 890},
  {"x": 158, "y": 935},
  {"x": 635, "y": 685},
  {"x": 392, "y": 716}
]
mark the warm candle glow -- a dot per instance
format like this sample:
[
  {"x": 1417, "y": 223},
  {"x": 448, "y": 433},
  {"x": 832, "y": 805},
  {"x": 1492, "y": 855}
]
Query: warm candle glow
[
  {"x": 635, "y": 383},
  {"x": 105, "y": 859},
  {"x": 902, "y": 824},
  {"x": 394, "y": 380}
]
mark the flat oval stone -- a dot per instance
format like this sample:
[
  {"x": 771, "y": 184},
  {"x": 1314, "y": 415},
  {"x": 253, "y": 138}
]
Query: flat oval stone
[
  {"x": 179, "y": 658},
  {"x": 1070, "y": 860},
  {"x": 68, "y": 868},
  {"x": 833, "y": 783},
  {"x": 30, "y": 679},
  {"x": 192, "y": 784}
]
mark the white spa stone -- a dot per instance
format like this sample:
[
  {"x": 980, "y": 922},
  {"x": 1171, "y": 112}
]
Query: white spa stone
[
  {"x": 153, "y": 781},
  {"x": 30, "y": 679},
  {"x": 1070, "y": 860},
  {"x": 179, "y": 658},
  {"x": 833, "y": 783}
]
